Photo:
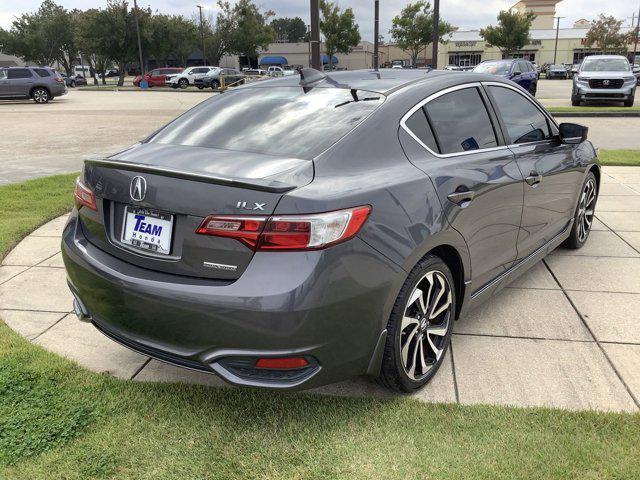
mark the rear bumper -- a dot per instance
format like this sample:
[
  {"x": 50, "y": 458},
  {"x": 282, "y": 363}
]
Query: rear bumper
[{"x": 329, "y": 306}]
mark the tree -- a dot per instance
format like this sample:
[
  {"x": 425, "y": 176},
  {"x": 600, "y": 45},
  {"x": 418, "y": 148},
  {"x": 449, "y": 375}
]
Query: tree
[
  {"x": 341, "y": 32},
  {"x": 289, "y": 29},
  {"x": 413, "y": 28},
  {"x": 121, "y": 44},
  {"x": 171, "y": 37},
  {"x": 249, "y": 28},
  {"x": 512, "y": 32},
  {"x": 605, "y": 33},
  {"x": 92, "y": 38},
  {"x": 43, "y": 37}
]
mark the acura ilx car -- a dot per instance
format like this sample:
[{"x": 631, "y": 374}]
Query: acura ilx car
[{"x": 303, "y": 230}]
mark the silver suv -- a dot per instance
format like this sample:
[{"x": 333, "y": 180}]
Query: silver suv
[
  {"x": 604, "y": 77},
  {"x": 39, "y": 83}
]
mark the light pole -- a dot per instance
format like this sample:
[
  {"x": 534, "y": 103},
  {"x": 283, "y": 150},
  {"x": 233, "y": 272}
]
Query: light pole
[
  {"x": 376, "y": 36},
  {"x": 309, "y": 43},
  {"x": 135, "y": 7},
  {"x": 435, "y": 37},
  {"x": 555, "y": 50},
  {"x": 316, "y": 61},
  {"x": 204, "y": 55},
  {"x": 635, "y": 43}
]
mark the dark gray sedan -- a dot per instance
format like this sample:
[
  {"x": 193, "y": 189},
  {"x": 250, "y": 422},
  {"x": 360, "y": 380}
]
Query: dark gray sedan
[{"x": 300, "y": 231}]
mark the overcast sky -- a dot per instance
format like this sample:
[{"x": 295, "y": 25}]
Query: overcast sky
[{"x": 466, "y": 14}]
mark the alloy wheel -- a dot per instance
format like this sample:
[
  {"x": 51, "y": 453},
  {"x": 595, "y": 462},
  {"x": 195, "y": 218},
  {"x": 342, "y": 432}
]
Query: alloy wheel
[
  {"x": 586, "y": 208},
  {"x": 41, "y": 96},
  {"x": 425, "y": 324}
]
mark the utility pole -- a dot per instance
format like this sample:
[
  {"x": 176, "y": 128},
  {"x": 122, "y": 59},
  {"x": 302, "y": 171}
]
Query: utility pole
[
  {"x": 309, "y": 43},
  {"x": 316, "y": 61},
  {"x": 135, "y": 16},
  {"x": 555, "y": 50},
  {"x": 204, "y": 55},
  {"x": 635, "y": 43},
  {"x": 376, "y": 36},
  {"x": 435, "y": 38}
]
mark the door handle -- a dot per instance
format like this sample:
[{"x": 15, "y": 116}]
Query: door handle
[
  {"x": 534, "y": 179},
  {"x": 461, "y": 197}
]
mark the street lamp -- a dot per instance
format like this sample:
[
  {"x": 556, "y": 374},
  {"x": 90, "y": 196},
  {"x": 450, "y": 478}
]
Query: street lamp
[
  {"x": 635, "y": 43},
  {"x": 135, "y": 6},
  {"x": 435, "y": 38},
  {"x": 204, "y": 56}
]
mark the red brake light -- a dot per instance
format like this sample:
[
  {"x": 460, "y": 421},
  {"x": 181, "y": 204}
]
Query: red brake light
[
  {"x": 289, "y": 232},
  {"x": 284, "y": 363},
  {"x": 83, "y": 196}
]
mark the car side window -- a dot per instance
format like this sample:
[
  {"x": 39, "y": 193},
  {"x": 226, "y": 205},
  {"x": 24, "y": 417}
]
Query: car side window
[
  {"x": 461, "y": 122},
  {"x": 524, "y": 121},
  {"x": 3, "y": 74},
  {"x": 19, "y": 73},
  {"x": 517, "y": 68},
  {"x": 42, "y": 72},
  {"x": 418, "y": 125}
]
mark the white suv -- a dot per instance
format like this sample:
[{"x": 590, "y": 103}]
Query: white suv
[
  {"x": 188, "y": 76},
  {"x": 280, "y": 72},
  {"x": 604, "y": 77}
]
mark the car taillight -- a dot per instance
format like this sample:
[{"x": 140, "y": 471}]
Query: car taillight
[
  {"x": 83, "y": 196},
  {"x": 289, "y": 232}
]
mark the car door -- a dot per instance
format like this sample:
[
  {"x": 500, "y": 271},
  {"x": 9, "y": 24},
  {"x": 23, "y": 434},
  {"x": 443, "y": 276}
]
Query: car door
[
  {"x": 20, "y": 81},
  {"x": 550, "y": 168},
  {"x": 476, "y": 176},
  {"x": 153, "y": 77},
  {"x": 516, "y": 74},
  {"x": 4, "y": 83}
]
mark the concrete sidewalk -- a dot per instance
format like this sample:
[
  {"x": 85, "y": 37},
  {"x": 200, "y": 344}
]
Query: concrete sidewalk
[{"x": 566, "y": 334}]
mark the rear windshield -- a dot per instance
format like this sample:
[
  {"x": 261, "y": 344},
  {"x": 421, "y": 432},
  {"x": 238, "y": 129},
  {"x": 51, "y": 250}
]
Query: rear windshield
[
  {"x": 605, "y": 65},
  {"x": 495, "y": 68},
  {"x": 276, "y": 121}
]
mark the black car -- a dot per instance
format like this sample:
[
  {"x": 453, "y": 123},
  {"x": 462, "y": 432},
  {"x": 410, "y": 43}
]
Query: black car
[
  {"x": 299, "y": 231},
  {"x": 74, "y": 80}
]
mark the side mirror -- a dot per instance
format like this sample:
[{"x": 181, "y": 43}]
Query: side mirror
[{"x": 572, "y": 133}]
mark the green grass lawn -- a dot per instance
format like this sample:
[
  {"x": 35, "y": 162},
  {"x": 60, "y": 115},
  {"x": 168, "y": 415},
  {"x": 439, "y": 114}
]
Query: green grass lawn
[
  {"x": 629, "y": 158},
  {"x": 58, "y": 420}
]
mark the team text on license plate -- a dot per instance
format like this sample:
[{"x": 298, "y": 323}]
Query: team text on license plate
[{"x": 147, "y": 229}]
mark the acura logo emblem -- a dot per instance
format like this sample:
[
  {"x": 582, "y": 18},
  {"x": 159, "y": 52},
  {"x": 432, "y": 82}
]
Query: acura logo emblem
[
  {"x": 138, "y": 188},
  {"x": 605, "y": 82}
]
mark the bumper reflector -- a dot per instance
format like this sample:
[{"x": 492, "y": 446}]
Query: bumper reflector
[{"x": 284, "y": 363}]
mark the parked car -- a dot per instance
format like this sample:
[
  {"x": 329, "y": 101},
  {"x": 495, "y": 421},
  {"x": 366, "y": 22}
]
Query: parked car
[
  {"x": 573, "y": 70},
  {"x": 516, "y": 70},
  {"x": 74, "y": 80},
  {"x": 213, "y": 78},
  {"x": 109, "y": 73},
  {"x": 453, "y": 68},
  {"x": 636, "y": 72},
  {"x": 187, "y": 77},
  {"x": 275, "y": 71},
  {"x": 304, "y": 230},
  {"x": 602, "y": 78},
  {"x": 255, "y": 72},
  {"x": 537, "y": 68},
  {"x": 557, "y": 71},
  {"x": 157, "y": 77},
  {"x": 39, "y": 83}
]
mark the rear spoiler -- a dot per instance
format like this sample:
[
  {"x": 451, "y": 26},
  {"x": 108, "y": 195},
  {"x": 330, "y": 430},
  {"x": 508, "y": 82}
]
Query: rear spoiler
[{"x": 250, "y": 183}]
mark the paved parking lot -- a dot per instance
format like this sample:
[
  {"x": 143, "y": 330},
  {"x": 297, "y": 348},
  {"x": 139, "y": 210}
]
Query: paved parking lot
[
  {"x": 566, "y": 334},
  {"x": 39, "y": 140}
]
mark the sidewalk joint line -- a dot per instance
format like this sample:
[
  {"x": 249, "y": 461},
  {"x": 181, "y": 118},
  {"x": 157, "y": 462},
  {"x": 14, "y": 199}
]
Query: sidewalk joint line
[
  {"x": 618, "y": 235},
  {"x": 49, "y": 327},
  {"x": 522, "y": 337},
  {"x": 604, "y": 352},
  {"x": 453, "y": 372},
  {"x": 146, "y": 362}
]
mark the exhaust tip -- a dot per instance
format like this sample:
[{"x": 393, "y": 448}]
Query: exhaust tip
[{"x": 81, "y": 311}]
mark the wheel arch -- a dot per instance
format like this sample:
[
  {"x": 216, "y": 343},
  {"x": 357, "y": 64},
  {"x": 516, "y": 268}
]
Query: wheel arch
[
  {"x": 452, "y": 258},
  {"x": 35, "y": 87},
  {"x": 596, "y": 173}
]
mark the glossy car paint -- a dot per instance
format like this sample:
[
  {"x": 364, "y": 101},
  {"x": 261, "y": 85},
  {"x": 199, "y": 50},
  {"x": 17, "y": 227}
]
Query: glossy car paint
[
  {"x": 331, "y": 304},
  {"x": 516, "y": 74}
]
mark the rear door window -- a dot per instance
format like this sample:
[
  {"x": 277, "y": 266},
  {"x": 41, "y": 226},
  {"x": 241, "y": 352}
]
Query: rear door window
[
  {"x": 42, "y": 72},
  {"x": 461, "y": 122},
  {"x": 523, "y": 120},
  {"x": 19, "y": 73},
  {"x": 276, "y": 120}
]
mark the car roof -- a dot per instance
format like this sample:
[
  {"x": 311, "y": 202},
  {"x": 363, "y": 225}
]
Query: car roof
[
  {"x": 595, "y": 57},
  {"x": 384, "y": 80}
]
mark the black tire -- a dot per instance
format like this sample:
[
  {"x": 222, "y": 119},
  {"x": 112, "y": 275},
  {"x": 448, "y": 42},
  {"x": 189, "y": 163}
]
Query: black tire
[
  {"x": 215, "y": 84},
  {"x": 629, "y": 101},
  {"x": 584, "y": 214},
  {"x": 73, "y": 84},
  {"x": 200, "y": 86},
  {"x": 533, "y": 88},
  {"x": 40, "y": 95},
  {"x": 402, "y": 335},
  {"x": 575, "y": 100},
  {"x": 183, "y": 83}
]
